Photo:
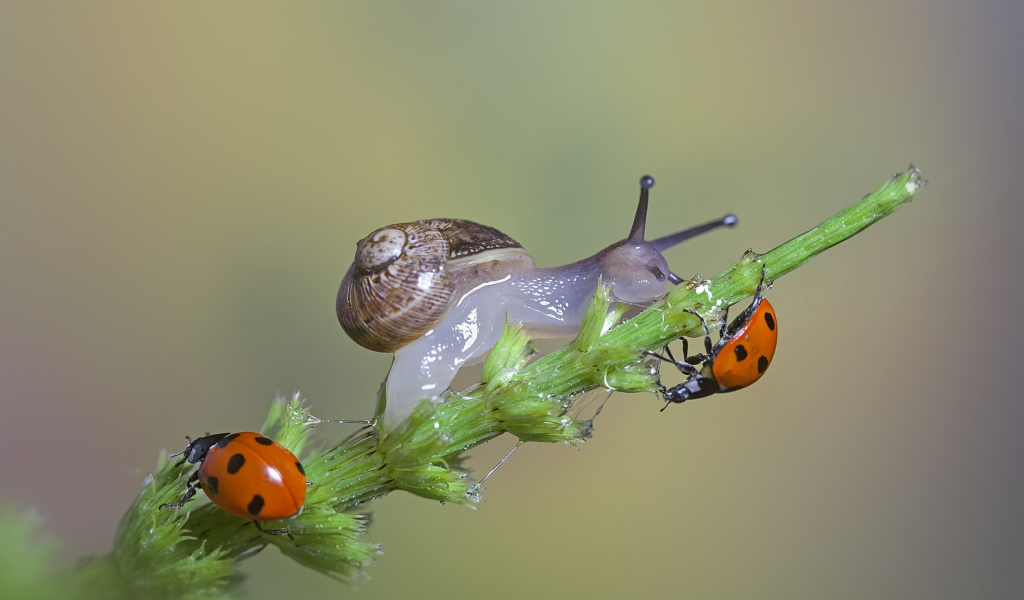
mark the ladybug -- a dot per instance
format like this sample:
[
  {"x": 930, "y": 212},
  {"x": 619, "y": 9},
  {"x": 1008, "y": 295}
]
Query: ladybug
[
  {"x": 247, "y": 474},
  {"x": 742, "y": 355}
]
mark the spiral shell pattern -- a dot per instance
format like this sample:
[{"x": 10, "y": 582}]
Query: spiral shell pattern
[{"x": 404, "y": 277}]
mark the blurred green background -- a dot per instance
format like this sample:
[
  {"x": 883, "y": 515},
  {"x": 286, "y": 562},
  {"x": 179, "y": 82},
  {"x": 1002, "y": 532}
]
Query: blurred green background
[{"x": 182, "y": 187}]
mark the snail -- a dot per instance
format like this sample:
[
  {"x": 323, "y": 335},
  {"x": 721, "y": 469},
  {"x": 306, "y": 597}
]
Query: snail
[{"x": 437, "y": 294}]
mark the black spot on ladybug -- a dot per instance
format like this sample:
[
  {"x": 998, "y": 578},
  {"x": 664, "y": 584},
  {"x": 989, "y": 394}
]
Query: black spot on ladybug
[
  {"x": 770, "y": 320},
  {"x": 227, "y": 440},
  {"x": 235, "y": 463},
  {"x": 264, "y": 441},
  {"x": 255, "y": 505},
  {"x": 762, "y": 364},
  {"x": 212, "y": 485},
  {"x": 301, "y": 470},
  {"x": 741, "y": 352}
]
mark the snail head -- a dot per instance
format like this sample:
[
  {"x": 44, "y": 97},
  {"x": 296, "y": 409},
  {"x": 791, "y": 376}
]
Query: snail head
[{"x": 635, "y": 267}]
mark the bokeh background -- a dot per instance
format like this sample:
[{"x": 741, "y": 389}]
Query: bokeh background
[{"x": 182, "y": 187}]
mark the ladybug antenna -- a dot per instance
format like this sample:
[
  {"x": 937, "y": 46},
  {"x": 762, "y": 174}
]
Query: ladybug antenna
[
  {"x": 187, "y": 446},
  {"x": 184, "y": 459},
  {"x": 636, "y": 233},
  {"x": 675, "y": 279},
  {"x": 664, "y": 243}
]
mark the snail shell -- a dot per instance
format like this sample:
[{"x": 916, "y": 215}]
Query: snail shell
[{"x": 405, "y": 276}]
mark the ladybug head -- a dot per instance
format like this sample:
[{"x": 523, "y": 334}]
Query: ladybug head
[{"x": 196, "y": 450}]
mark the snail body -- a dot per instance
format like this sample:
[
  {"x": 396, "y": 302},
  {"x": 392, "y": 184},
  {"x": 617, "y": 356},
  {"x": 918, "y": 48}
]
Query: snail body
[{"x": 437, "y": 293}]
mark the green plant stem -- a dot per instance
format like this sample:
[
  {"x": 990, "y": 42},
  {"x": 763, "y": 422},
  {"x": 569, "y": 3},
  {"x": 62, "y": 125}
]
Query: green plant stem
[{"x": 532, "y": 402}]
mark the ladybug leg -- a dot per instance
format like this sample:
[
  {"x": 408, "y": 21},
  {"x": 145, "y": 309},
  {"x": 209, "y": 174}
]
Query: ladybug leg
[
  {"x": 686, "y": 368},
  {"x": 722, "y": 333},
  {"x": 760, "y": 284},
  {"x": 668, "y": 352},
  {"x": 688, "y": 362},
  {"x": 696, "y": 359},
  {"x": 193, "y": 485},
  {"x": 749, "y": 311},
  {"x": 727, "y": 330},
  {"x": 284, "y": 531},
  {"x": 707, "y": 339}
]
